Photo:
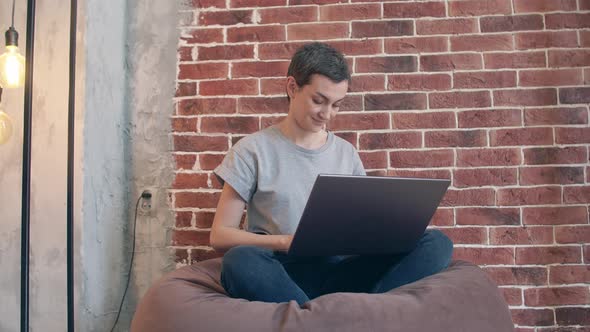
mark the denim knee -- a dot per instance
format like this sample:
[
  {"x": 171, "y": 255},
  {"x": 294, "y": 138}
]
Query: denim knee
[{"x": 441, "y": 243}]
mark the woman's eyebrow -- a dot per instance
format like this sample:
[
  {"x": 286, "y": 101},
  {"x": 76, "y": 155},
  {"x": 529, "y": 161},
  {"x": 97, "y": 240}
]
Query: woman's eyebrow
[{"x": 326, "y": 98}]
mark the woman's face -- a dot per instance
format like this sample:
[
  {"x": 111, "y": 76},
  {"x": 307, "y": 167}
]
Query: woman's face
[{"x": 314, "y": 104}]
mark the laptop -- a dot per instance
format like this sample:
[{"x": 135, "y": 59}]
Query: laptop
[{"x": 366, "y": 215}]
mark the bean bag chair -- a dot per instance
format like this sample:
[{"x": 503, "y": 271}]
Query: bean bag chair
[{"x": 460, "y": 298}]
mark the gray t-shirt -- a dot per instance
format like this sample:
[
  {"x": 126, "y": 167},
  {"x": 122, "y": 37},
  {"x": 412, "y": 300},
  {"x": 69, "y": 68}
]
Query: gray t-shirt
[{"x": 274, "y": 176}]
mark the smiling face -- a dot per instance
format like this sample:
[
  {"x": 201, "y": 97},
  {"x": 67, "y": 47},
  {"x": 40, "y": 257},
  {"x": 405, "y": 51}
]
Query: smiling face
[{"x": 313, "y": 105}]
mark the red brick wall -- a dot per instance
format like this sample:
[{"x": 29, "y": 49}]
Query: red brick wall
[{"x": 490, "y": 94}]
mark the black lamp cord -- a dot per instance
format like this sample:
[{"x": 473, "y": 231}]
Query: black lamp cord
[
  {"x": 144, "y": 195},
  {"x": 12, "y": 25}
]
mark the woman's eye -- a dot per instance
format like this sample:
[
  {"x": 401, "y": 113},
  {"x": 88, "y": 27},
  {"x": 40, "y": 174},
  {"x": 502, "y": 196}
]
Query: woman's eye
[{"x": 316, "y": 101}]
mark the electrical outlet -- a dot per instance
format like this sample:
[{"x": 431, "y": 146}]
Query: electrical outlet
[{"x": 147, "y": 200}]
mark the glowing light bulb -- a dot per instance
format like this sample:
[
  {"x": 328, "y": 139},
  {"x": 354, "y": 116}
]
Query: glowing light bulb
[
  {"x": 5, "y": 127},
  {"x": 12, "y": 68}
]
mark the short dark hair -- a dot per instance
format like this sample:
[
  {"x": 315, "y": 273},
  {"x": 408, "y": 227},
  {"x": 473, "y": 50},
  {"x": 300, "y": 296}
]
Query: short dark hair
[{"x": 318, "y": 58}]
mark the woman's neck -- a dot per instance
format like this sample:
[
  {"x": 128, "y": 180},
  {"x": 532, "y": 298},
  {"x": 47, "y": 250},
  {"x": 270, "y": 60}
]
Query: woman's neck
[{"x": 305, "y": 139}]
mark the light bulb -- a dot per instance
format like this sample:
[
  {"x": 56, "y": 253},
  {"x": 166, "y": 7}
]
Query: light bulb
[
  {"x": 5, "y": 127},
  {"x": 12, "y": 68}
]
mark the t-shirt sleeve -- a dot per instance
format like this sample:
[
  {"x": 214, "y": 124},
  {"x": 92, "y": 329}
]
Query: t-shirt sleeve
[
  {"x": 238, "y": 171},
  {"x": 358, "y": 167}
]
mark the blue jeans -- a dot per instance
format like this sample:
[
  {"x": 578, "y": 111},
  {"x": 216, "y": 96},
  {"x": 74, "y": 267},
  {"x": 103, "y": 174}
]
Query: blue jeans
[{"x": 260, "y": 274}]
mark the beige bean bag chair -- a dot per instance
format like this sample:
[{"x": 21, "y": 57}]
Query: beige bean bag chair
[{"x": 460, "y": 298}]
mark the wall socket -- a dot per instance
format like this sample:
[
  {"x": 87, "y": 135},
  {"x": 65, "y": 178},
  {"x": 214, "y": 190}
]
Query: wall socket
[{"x": 147, "y": 200}]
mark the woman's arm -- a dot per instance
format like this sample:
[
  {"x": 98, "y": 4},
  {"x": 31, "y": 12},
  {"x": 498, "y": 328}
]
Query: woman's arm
[{"x": 225, "y": 232}]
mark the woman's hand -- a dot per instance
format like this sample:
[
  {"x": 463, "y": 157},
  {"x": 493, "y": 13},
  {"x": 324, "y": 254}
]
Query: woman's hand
[{"x": 285, "y": 242}]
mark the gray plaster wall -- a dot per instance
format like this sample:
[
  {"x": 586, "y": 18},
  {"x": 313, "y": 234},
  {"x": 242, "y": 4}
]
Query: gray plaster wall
[{"x": 125, "y": 89}]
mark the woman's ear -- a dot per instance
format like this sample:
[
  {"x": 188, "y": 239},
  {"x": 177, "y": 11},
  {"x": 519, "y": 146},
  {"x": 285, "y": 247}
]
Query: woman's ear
[{"x": 292, "y": 87}]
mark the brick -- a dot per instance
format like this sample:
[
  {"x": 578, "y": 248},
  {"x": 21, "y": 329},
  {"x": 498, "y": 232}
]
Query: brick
[
  {"x": 496, "y": 42},
  {"x": 423, "y": 120},
  {"x": 521, "y": 235},
  {"x": 578, "y": 194},
  {"x": 446, "y": 62},
  {"x": 266, "y": 105},
  {"x": 226, "y": 52},
  {"x": 381, "y": 28},
  {"x": 419, "y": 82},
  {"x": 551, "y": 175},
  {"x": 521, "y": 136},
  {"x": 555, "y": 155},
  {"x": 417, "y": 45},
  {"x": 584, "y": 5},
  {"x": 511, "y": 23},
  {"x": 204, "y": 219},
  {"x": 558, "y": 215},
  {"x": 183, "y": 219},
  {"x": 574, "y": 95},
  {"x": 424, "y": 158},
  {"x": 202, "y": 36},
  {"x": 479, "y": 7},
  {"x": 397, "y": 101},
  {"x": 350, "y": 137},
  {"x": 388, "y": 64},
  {"x": 199, "y": 254},
  {"x": 487, "y": 79},
  {"x": 528, "y": 6},
  {"x": 374, "y": 159},
  {"x": 206, "y": 106},
  {"x": 556, "y": 296},
  {"x": 569, "y": 274},
  {"x": 567, "y": 21},
  {"x": 533, "y": 317},
  {"x": 181, "y": 256},
  {"x": 288, "y": 15},
  {"x": 185, "y": 161},
  {"x": 256, "y": 3},
  {"x": 414, "y": 9},
  {"x": 351, "y": 103},
  {"x": 534, "y": 59},
  {"x": 373, "y": 141},
  {"x": 202, "y": 71},
  {"x": 189, "y": 237},
  {"x": 569, "y": 58},
  {"x": 469, "y": 197},
  {"x": 488, "y": 157},
  {"x": 512, "y": 295},
  {"x": 459, "y": 99},
  {"x": 202, "y": 4},
  {"x": 584, "y": 38},
  {"x": 184, "y": 125},
  {"x": 586, "y": 249},
  {"x": 485, "y": 256},
  {"x": 522, "y": 97},
  {"x": 350, "y": 47},
  {"x": 210, "y": 161},
  {"x": 350, "y": 12},
  {"x": 358, "y": 47},
  {"x": 555, "y": 116},
  {"x": 528, "y": 196},
  {"x": 455, "y": 138},
  {"x": 572, "y": 135},
  {"x": 317, "y": 31},
  {"x": 272, "y": 86},
  {"x": 484, "y": 177},
  {"x": 256, "y": 34},
  {"x": 362, "y": 83},
  {"x": 194, "y": 143},
  {"x": 412, "y": 173},
  {"x": 229, "y": 87},
  {"x": 225, "y": 17},
  {"x": 518, "y": 275},
  {"x": 196, "y": 199},
  {"x": 466, "y": 235},
  {"x": 362, "y": 121},
  {"x": 548, "y": 255},
  {"x": 488, "y": 216},
  {"x": 260, "y": 69},
  {"x": 231, "y": 124},
  {"x": 190, "y": 181},
  {"x": 551, "y": 77},
  {"x": 572, "y": 316},
  {"x": 185, "y": 53},
  {"x": 490, "y": 118},
  {"x": 442, "y": 217},
  {"x": 446, "y": 26},
  {"x": 185, "y": 89},
  {"x": 545, "y": 39},
  {"x": 315, "y": 2},
  {"x": 572, "y": 234}
]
